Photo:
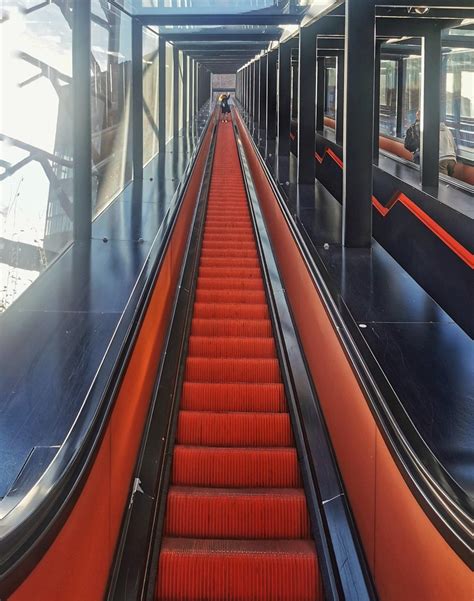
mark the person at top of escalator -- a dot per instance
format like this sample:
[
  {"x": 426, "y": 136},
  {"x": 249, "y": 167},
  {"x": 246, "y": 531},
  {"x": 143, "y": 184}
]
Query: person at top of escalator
[{"x": 225, "y": 108}]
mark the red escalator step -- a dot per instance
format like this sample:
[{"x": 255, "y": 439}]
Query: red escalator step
[
  {"x": 235, "y": 467},
  {"x": 224, "y": 570},
  {"x": 230, "y": 272},
  {"x": 234, "y": 429},
  {"x": 237, "y": 513},
  {"x": 250, "y": 328},
  {"x": 224, "y": 237},
  {"x": 228, "y": 252},
  {"x": 229, "y": 261},
  {"x": 233, "y": 397},
  {"x": 209, "y": 369},
  {"x": 214, "y": 346},
  {"x": 230, "y": 310},
  {"x": 216, "y": 283},
  {"x": 252, "y": 297}
]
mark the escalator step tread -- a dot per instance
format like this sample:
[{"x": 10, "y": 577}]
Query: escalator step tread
[
  {"x": 247, "y": 429},
  {"x": 227, "y": 347},
  {"x": 234, "y": 396},
  {"x": 220, "y": 570}
]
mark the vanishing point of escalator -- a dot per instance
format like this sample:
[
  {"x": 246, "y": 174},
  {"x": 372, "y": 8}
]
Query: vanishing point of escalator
[{"x": 236, "y": 525}]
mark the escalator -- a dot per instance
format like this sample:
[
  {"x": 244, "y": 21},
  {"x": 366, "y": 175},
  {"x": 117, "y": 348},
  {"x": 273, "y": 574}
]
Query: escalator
[{"x": 236, "y": 523}]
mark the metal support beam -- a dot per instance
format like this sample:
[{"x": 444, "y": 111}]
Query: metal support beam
[
  {"x": 256, "y": 93},
  {"x": 284, "y": 99},
  {"x": 400, "y": 83},
  {"x": 82, "y": 145},
  {"x": 358, "y": 123},
  {"x": 176, "y": 105},
  {"x": 340, "y": 99},
  {"x": 161, "y": 94},
  {"x": 137, "y": 98},
  {"x": 320, "y": 91},
  {"x": 306, "y": 106},
  {"x": 377, "y": 65},
  {"x": 262, "y": 105},
  {"x": 430, "y": 112},
  {"x": 184, "y": 107},
  {"x": 271, "y": 94}
]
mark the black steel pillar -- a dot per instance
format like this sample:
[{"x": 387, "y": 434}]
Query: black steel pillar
[
  {"x": 294, "y": 83},
  {"x": 162, "y": 94},
  {"x": 262, "y": 105},
  {"x": 430, "y": 111},
  {"x": 176, "y": 99},
  {"x": 82, "y": 144},
  {"x": 358, "y": 122},
  {"x": 400, "y": 83},
  {"x": 284, "y": 99},
  {"x": 184, "y": 105},
  {"x": 340, "y": 99},
  {"x": 196, "y": 87},
  {"x": 320, "y": 93},
  {"x": 191, "y": 90},
  {"x": 377, "y": 65},
  {"x": 306, "y": 105},
  {"x": 137, "y": 98},
  {"x": 256, "y": 96},
  {"x": 271, "y": 94}
]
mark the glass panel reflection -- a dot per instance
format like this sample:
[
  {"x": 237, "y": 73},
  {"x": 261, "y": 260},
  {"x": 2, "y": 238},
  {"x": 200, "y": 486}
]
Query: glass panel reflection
[
  {"x": 169, "y": 92},
  {"x": 35, "y": 151},
  {"x": 111, "y": 65}
]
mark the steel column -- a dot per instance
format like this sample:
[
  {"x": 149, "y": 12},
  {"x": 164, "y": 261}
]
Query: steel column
[
  {"x": 162, "y": 94},
  {"x": 262, "y": 105},
  {"x": 284, "y": 99},
  {"x": 340, "y": 99},
  {"x": 306, "y": 105},
  {"x": 430, "y": 112},
  {"x": 320, "y": 94},
  {"x": 82, "y": 122},
  {"x": 176, "y": 106},
  {"x": 184, "y": 106},
  {"x": 256, "y": 97},
  {"x": 271, "y": 94},
  {"x": 358, "y": 122},
  {"x": 400, "y": 83},
  {"x": 137, "y": 98}
]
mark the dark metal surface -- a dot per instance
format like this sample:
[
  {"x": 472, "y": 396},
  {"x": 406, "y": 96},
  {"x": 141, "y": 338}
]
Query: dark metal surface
[
  {"x": 284, "y": 99},
  {"x": 137, "y": 99},
  {"x": 306, "y": 103},
  {"x": 358, "y": 124}
]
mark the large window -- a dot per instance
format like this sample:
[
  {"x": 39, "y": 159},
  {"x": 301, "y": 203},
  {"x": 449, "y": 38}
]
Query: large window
[
  {"x": 111, "y": 58},
  {"x": 460, "y": 99},
  {"x": 36, "y": 145},
  {"x": 330, "y": 91},
  {"x": 388, "y": 97},
  {"x": 150, "y": 95}
]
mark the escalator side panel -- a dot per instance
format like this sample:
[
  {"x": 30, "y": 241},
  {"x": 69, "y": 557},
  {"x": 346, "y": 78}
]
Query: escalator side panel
[
  {"x": 407, "y": 556},
  {"x": 76, "y": 566}
]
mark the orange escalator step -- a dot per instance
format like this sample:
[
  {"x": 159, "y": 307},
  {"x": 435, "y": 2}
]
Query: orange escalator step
[
  {"x": 211, "y": 369},
  {"x": 226, "y": 347},
  {"x": 197, "y": 396},
  {"x": 237, "y": 513},
  {"x": 220, "y": 570}
]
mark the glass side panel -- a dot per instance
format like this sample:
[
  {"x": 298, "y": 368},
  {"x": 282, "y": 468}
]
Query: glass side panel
[
  {"x": 111, "y": 66},
  {"x": 150, "y": 95},
  {"x": 36, "y": 199},
  {"x": 411, "y": 91},
  {"x": 388, "y": 97},
  {"x": 169, "y": 91},
  {"x": 330, "y": 99},
  {"x": 460, "y": 100}
]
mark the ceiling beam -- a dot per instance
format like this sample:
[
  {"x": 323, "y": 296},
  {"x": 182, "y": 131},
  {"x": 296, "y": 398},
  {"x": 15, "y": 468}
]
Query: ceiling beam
[
  {"x": 157, "y": 19},
  {"x": 221, "y": 37}
]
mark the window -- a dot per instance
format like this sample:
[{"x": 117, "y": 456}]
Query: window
[
  {"x": 169, "y": 91},
  {"x": 330, "y": 94},
  {"x": 388, "y": 97},
  {"x": 111, "y": 65},
  {"x": 460, "y": 99},
  {"x": 411, "y": 91}
]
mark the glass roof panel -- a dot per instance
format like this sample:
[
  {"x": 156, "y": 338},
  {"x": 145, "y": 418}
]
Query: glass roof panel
[{"x": 215, "y": 7}]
